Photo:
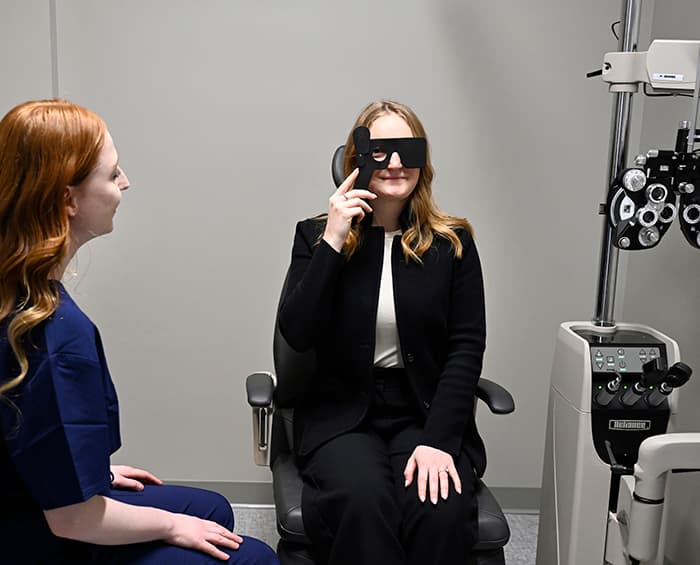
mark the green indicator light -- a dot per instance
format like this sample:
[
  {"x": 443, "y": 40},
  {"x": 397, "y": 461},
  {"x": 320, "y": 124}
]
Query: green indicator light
[
  {"x": 624, "y": 386},
  {"x": 651, "y": 388},
  {"x": 600, "y": 387}
]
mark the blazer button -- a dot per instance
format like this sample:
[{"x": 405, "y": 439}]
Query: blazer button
[{"x": 409, "y": 357}]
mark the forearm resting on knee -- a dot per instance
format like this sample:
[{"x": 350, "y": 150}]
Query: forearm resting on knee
[{"x": 105, "y": 521}]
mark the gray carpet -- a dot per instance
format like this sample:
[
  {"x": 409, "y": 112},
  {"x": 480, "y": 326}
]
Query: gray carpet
[
  {"x": 259, "y": 521},
  {"x": 522, "y": 546}
]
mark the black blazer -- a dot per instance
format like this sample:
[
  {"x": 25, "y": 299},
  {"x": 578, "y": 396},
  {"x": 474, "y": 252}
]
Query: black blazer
[{"x": 330, "y": 305}]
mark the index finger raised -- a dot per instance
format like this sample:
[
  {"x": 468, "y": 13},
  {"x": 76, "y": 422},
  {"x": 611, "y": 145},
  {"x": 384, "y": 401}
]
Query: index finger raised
[{"x": 349, "y": 182}]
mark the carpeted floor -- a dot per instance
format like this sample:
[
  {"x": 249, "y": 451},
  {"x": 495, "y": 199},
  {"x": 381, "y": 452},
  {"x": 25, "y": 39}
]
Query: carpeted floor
[
  {"x": 259, "y": 521},
  {"x": 521, "y": 548}
]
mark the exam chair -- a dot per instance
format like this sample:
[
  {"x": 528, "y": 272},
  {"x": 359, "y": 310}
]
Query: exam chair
[{"x": 272, "y": 398}]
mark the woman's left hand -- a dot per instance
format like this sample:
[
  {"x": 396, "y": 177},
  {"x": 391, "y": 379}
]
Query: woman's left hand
[
  {"x": 130, "y": 478},
  {"x": 435, "y": 469}
]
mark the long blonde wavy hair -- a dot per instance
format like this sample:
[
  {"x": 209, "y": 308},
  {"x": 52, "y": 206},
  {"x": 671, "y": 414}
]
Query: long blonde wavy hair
[
  {"x": 425, "y": 219},
  {"x": 45, "y": 146}
]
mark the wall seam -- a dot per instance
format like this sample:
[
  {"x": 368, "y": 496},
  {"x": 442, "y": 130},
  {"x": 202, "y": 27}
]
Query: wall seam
[{"x": 53, "y": 31}]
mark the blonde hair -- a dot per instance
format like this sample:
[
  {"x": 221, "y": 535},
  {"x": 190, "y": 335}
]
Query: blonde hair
[
  {"x": 45, "y": 146},
  {"x": 425, "y": 219}
]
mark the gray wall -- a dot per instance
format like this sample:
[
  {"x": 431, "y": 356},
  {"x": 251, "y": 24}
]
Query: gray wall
[
  {"x": 25, "y": 44},
  {"x": 662, "y": 285},
  {"x": 226, "y": 115}
]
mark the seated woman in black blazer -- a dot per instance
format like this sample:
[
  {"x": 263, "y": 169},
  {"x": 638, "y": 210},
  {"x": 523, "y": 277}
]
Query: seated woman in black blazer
[{"x": 388, "y": 291}]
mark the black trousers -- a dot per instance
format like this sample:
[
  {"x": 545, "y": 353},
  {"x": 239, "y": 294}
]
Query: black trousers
[{"x": 356, "y": 509}]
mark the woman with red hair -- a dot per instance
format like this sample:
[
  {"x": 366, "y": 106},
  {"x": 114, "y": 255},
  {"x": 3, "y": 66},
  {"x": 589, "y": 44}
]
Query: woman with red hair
[{"x": 60, "y": 501}]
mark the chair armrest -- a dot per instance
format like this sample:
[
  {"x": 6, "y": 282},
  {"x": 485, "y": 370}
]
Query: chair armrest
[
  {"x": 497, "y": 398},
  {"x": 260, "y": 388}
]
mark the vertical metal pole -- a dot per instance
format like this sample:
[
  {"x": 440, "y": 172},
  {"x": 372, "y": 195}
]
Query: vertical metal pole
[
  {"x": 622, "y": 107},
  {"x": 696, "y": 104}
]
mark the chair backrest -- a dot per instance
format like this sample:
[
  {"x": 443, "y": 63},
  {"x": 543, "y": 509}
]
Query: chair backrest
[{"x": 292, "y": 368}]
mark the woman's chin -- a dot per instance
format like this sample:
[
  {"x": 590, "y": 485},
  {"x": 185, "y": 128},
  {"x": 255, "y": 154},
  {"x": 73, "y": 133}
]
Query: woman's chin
[{"x": 393, "y": 193}]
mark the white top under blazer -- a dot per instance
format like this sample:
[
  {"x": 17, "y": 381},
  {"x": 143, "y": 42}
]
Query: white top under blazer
[{"x": 387, "y": 349}]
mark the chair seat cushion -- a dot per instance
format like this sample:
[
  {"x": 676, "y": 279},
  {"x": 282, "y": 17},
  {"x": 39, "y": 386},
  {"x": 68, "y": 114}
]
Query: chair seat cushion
[
  {"x": 286, "y": 489},
  {"x": 287, "y": 484},
  {"x": 494, "y": 532}
]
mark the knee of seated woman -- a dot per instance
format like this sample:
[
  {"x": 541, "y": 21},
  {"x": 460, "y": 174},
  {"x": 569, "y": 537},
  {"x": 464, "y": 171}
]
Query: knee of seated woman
[
  {"x": 212, "y": 506},
  {"x": 255, "y": 552},
  {"x": 222, "y": 512},
  {"x": 455, "y": 510},
  {"x": 368, "y": 499}
]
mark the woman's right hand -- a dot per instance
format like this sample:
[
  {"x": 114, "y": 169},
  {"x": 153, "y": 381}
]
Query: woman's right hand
[
  {"x": 344, "y": 206},
  {"x": 202, "y": 535}
]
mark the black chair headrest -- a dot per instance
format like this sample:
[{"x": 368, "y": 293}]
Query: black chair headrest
[{"x": 337, "y": 166}]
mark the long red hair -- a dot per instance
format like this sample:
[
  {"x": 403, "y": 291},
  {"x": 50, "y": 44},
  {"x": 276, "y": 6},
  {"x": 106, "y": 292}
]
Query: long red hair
[{"x": 45, "y": 146}]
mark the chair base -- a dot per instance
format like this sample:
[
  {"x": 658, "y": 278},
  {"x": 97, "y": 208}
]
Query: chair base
[{"x": 291, "y": 554}]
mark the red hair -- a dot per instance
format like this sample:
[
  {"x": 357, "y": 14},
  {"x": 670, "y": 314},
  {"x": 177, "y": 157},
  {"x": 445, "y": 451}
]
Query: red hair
[{"x": 45, "y": 146}]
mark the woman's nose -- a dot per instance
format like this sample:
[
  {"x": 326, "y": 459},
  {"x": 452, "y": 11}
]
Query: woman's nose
[
  {"x": 395, "y": 161},
  {"x": 124, "y": 182}
]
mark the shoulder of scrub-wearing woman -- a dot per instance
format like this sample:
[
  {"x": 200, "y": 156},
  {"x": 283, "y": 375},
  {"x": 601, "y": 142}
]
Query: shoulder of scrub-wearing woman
[{"x": 68, "y": 331}]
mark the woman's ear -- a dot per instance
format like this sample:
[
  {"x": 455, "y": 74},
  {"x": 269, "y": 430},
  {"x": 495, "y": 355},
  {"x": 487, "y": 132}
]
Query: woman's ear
[{"x": 71, "y": 201}]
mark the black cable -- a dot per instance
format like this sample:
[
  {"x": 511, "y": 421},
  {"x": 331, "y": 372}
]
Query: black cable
[
  {"x": 612, "y": 28},
  {"x": 654, "y": 95},
  {"x": 662, "y": 94}
]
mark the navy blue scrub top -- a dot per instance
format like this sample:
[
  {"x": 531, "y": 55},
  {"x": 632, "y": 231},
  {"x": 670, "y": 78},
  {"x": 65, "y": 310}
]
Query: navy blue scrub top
[{"x": 56, "y": 443}]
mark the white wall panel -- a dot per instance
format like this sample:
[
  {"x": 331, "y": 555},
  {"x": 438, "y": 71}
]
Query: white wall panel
[
  {"x": 226, "y": 115},
  {"x": 25, "y": 44}
]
